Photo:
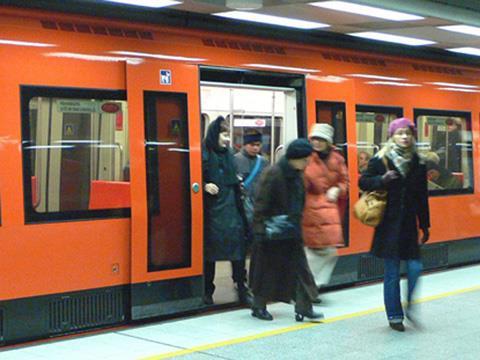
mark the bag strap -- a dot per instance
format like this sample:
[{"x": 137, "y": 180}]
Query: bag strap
[
  {"x": 253, "y": 174},
  {"x": 385, "y": 162}
]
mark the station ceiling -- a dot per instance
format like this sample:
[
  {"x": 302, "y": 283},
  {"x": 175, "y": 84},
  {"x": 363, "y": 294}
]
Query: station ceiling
[{"x": 435, "y": 13}]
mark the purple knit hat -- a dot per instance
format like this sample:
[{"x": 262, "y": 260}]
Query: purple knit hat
[{"x": 400, "y": 123}]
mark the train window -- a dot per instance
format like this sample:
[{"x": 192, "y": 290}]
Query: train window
[
  {"x": 263, "y": 109},
  {"x": 333, "y": 113},
  {"x": 75, "y": 151},
  {"x": 445, "y": 139},
  {"x": 372, "y": 130},
  {"x": 168, "y": 180}
]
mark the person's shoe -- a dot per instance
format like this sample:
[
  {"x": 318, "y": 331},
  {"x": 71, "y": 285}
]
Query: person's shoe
[
  {"x": 208, "y": 299},
  {"x": 262, "y": 314},
  {"x": 397, "y": 326},
  {"x": 411, "y": 316},
  {"x": 244, "y": 295},
  {"x": 311, "y": 315}
]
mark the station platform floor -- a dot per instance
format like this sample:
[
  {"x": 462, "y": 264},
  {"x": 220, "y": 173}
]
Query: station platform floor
[{"x": 355, "y": 327}]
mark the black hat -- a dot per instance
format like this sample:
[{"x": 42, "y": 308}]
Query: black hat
[
  {"x": 299, "y": 148},
  {"x": 251, "y": 136}
]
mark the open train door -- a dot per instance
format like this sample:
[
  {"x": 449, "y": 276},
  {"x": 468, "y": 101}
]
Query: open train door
[{"x": 165, "y": 168}]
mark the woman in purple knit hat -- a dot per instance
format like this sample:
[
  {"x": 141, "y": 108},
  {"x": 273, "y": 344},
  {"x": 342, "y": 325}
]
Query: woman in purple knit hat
[{"x": 396, "y": 238}]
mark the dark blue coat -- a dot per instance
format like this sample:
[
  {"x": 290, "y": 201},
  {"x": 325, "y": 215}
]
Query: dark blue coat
[{"x": 407, "y": 209}]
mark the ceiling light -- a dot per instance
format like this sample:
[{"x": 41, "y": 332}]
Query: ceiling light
[
  {"x": 366, "y": 10},
  {"x": 272, "y": 20},
  {"x": 458, "y": 89},
  {"x": 454, "y": 85},
  {"x": 156, "y": 56},
  {"x": 379, "y": 77},
  {"x": 405, "y": 40},
  {"x": 467, "y": 50},
  {"x": 147, "y": 3},
  {"x": 286, "y": 68},
  {"x": 464, "y": 29},
  {"x": 133, "y": 61},
  {"x": 391, "y": 83},
  {"x": 24, "y": 43},
  {"x": 328, "y": 78}
]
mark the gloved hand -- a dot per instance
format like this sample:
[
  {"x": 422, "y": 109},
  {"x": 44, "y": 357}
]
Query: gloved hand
[
  {"x": 425, "y": 236},
  {"x": 211, "y": 188},
  {"x": 332, "y": 194},
  {"x": 389, "y": 176}
]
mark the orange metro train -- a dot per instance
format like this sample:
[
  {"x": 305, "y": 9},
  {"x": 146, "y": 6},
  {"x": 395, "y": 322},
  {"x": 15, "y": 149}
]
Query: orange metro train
[{"x": 100, "y": 144}]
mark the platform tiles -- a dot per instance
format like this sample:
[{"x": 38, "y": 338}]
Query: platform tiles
[{"x": 355, "y": 327}]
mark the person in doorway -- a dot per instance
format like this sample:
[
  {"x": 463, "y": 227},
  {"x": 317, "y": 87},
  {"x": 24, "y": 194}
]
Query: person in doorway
[
  {"x": 279, "y": 269},
  {"x": 363, "y": 158},
  {"x": 224, "y": 226},
  {"x": 250, "y": 165},
  {"x": 398, "y": 169},
  {"x": 326, "y": 181}
]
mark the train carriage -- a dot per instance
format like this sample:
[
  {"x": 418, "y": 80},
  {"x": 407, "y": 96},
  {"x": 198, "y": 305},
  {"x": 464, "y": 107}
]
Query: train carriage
[{"x": 101, "y": 179}]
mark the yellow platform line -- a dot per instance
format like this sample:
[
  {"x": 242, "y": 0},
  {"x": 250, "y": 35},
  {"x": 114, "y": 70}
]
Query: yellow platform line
[{"x": 300, "y": 326}]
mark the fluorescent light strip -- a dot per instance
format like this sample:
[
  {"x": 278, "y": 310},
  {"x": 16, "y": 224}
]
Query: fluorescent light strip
[
  {"x": 379, "y": 77},
  {"x": 405, "y": 40},
  {"x": 87, "y": 57},
  {"x": 454, "y": 85},
  {"x": 286, "y": 68},
  {"x": 391, "y": 83},
  {"x": 156, "y": 56},
  {"x": 458, "y": 89},
  {"x": 366, "y": 10},
  {"x": 24, "y": 43},
  {"x": 272, "y": 20},
  {"x": 466, "y": 50},
  {"x": 147, "y": 3},
  {"x": 464, "y": 29}
]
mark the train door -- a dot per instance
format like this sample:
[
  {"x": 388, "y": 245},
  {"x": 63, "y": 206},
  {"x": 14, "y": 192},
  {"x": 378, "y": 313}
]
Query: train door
[
  {"x": 270, "y": 110},
  {"x": 165, "y": 173}
]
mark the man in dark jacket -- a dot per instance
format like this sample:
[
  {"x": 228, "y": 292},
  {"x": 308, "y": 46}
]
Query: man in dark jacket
[
  {"x": 279, "y": 269},
  {"x": 250, "y": 165}
]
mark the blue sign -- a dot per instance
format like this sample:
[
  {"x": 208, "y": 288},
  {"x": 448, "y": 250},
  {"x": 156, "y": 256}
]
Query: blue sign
[{"x": 165, "y": 77}]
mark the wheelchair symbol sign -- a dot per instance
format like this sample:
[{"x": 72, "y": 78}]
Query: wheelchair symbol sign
[{"x": 165, "y": 77}]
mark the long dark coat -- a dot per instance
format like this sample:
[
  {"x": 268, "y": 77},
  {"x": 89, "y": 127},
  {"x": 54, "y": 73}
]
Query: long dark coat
[
  {"x": 277, "y": 268},
  {"x": 407, "y": 209},
  {"x": 224, "y": 224}
]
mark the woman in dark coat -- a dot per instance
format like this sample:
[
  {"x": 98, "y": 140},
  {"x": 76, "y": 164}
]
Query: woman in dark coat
[
  {"x": 279, "y": 270},
  {"x": 224, "y": 224},
  {"x": 396, "y": 237}
]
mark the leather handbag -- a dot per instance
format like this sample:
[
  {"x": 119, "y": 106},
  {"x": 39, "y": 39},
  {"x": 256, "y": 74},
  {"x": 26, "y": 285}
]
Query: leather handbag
[
  {"x": 370, "y": 208},
  {"x": 280, "y": 228}
]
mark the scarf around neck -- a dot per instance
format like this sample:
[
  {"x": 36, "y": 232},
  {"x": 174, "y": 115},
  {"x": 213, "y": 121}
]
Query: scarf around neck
[{"x": 401, "y": 158}]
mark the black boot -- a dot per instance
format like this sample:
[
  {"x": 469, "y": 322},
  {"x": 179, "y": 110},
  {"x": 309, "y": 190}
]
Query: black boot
[
  {"x": 262, "y": 314},
  {"x": 208, "y": 299},
  {"x": 244, "y": 295},
  {"x": 310, "y": 315},
  {"x": 397, "y": 326}
]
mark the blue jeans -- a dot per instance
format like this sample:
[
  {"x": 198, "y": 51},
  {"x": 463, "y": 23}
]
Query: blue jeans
[{"x": 391, "y": 286}]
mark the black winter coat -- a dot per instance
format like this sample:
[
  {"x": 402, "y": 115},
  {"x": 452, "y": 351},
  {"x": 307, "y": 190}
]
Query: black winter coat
[
  {"x": 407, "y": 209},
  {"x": 277, "y": 268}
]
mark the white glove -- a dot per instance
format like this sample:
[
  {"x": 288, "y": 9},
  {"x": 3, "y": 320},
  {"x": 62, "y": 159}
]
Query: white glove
[
  {"x": 332, "y": 194},
  {"x": 211, "y": 188}
]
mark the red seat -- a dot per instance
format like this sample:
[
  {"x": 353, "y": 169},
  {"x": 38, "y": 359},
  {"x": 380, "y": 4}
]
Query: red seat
[{"x": 109, "y": 194}]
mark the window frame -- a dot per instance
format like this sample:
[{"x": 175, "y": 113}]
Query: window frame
[
  {"x": 449, "y": 113},
  {"x": 27, "y": 93}
]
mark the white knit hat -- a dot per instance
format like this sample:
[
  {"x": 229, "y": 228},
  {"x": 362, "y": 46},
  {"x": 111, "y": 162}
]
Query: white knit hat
[{"x": 323, "y": 131}]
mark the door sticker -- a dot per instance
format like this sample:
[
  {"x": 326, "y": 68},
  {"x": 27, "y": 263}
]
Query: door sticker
[{"x": 165, "y": 77}]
